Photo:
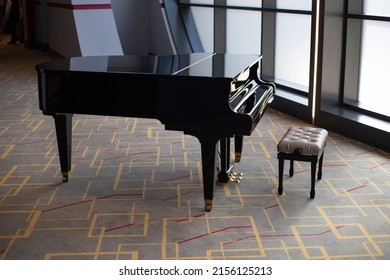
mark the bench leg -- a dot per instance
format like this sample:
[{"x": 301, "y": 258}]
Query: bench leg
[
  {"x": 281, "y": 167},
  {"x": 291, "y": 171},
  {"x": 313, "y": 178},
  {"x": 319, "y": 175}
]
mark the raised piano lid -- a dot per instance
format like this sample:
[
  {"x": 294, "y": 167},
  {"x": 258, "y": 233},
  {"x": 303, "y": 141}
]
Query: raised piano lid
[{"x": 195, "y": 64}]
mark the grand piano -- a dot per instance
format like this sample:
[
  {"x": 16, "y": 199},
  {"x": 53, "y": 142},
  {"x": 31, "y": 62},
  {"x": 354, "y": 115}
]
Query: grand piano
[{"x": 214, "y": 97}]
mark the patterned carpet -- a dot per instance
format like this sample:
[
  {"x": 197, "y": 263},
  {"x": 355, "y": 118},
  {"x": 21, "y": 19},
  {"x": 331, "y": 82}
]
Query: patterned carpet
[{"x": 135, "y": 190}]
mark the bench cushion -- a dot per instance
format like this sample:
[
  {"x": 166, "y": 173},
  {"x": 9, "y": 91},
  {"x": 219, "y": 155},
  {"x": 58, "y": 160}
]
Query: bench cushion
[{"x": 303, "y": 140}]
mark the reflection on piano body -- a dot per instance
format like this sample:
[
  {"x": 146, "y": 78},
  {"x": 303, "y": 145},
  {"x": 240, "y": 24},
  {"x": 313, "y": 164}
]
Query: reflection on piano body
[{"x": 213, "y": 97}]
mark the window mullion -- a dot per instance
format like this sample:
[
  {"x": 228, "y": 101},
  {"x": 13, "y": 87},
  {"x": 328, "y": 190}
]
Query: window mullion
[{"x": 268, "y": 41}]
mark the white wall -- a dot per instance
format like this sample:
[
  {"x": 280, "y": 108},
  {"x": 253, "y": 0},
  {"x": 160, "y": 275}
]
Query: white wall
[
  {"x": 79, "y": 27},
  {"x": 61, "y": 30},
  {"x": 125, "y": 27},
  {"x": 131, "y": 17}
]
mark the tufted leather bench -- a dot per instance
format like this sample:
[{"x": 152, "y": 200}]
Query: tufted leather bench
[{"x": 302, "y": 144}]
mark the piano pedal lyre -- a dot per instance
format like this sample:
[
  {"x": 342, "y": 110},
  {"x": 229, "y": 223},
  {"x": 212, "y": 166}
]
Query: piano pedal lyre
[{"x": 234, "y": 176}]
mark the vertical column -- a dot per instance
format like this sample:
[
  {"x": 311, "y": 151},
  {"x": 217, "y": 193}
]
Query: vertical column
[
  {"x": 352, "y": 51},
  {"x": 268, "y": 31},
  {"x": 219, "y": 27}
]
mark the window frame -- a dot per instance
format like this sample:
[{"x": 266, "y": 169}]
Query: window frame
[{"x": 353, "y": 42}]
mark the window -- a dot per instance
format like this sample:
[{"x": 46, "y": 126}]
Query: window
[
  {"x": 204, "y": 21},
  {"x": 243, "y": 31},
  {"x": 292, "y": 50},
  {"x": 368, "y": 45},
  {"x": 328, "y": 58},
  {"x": 294, "y": 5},
  {"x": 288, "y": 24},
  {"x": 374, "y": 92}
]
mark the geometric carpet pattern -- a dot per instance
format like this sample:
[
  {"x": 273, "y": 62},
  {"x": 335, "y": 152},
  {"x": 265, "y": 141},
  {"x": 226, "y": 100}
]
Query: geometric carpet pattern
[{"x": 135, "y": 190}]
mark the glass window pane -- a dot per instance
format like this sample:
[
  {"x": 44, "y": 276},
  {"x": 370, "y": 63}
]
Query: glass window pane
[
  {"x": 374, "y": 69},
  {"x": 204, "y": 22},
  {"x": 292, "y": 51},
  {"x": 244, "y": 3},
  {"x": 243, "y": 33},
  {"x": 208, "y": 2},
  {"x": 294, "y": 5},
  {"x": 377, "y": 7}
]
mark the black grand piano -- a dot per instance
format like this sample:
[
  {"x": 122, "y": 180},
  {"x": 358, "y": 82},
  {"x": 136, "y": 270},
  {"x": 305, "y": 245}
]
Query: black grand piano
[{"x": 214, "y": 97}]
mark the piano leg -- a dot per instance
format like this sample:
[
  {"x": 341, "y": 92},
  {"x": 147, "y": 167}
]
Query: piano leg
[
  {"x": 209, "y": 153},
  {"x": 63, "y": 124},
  {"x": 223, "y": 175},
  {"x": 238, "y": 143}
]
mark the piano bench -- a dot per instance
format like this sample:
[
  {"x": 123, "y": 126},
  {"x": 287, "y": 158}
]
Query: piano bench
[{"x": 302, "y": 144}]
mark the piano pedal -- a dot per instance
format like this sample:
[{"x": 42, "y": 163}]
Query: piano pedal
[{"x": 235, "y": 177}]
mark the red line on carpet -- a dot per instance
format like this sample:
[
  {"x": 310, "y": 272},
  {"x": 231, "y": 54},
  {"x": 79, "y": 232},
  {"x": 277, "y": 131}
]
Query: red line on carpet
[
  {"x": 193, "y": 238},
  {"x": 81, "y": 202},
  {"x": 295, "y": 172},
  {"x": 238, "y": 240},
  {"x": 67, "y": 205},
  {"x": 135, "y": 154},
  {"x": 169, "y": 198},
  {"x": 362, "y": 153},
  {"x": 186, "y": 219},
  {"x": 176, "y": 196},
  {"x": 213, "y": 232},
  {"x": 353, "y": 189},
  {"x": 29, "y": 143},
  {"x": 382, "y": 164},
  {"x": 301, "y": 171},
  {"x": 232, "y": 227},
  {"x": 182, "y": 177},
  {"x": 120, "y": 194},
  {"x": 302, "y": 234},
  {"x": 128, "y": 225},
  {"x": 117, "y": 148},
  {"x": 272, "y": 206}
]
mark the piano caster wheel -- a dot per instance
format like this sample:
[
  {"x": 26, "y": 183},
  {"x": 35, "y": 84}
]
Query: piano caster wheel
[
  {"x": 208, "y": 205},
  {"x": 237, "y": 157},
  {"x": 65, "y": 177}
]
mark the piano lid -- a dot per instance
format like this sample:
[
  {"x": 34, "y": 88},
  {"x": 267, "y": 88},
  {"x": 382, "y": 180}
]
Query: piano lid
[{"x": 194, "y": 64}]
